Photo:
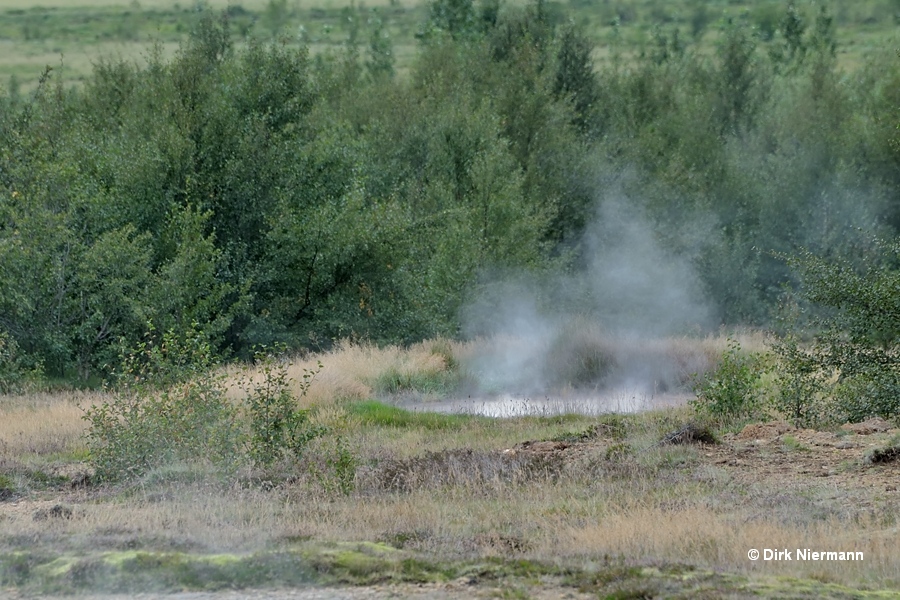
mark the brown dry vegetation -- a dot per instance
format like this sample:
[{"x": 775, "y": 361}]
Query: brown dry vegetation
[
  {"x": 41, "y": 425},
  {"x": 594, "y": 490},
  {"x": 351, "y": 371}
]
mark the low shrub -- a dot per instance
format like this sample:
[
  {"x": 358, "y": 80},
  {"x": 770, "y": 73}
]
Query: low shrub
[
  {"x": 168, "y": 407},
  {"x": 799, "y": 384},
  {"x": 730, "y": 392},
  {"x": 171, "y": 407},
  {"x": 277, "y": 426}
]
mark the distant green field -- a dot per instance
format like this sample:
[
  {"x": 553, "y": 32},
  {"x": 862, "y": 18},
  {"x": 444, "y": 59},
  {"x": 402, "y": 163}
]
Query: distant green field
[{"x": 73, "y": 35}]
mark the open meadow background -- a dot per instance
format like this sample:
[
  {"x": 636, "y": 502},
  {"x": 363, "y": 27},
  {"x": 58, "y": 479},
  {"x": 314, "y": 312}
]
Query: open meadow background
[{"x": 74, "y": 35}]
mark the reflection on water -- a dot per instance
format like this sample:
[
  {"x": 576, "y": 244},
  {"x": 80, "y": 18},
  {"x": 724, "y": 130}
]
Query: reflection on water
[{"x": 510, "y": 405}]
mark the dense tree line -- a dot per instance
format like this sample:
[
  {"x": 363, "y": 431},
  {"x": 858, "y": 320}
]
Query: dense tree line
[{"x": 262, "y": 195}]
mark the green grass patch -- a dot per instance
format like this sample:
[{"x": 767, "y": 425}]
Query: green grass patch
[
  {"x": 80, "y": 454},
  {"x": 7, "y": 488},
  {"x": 792, "y": 444},
  {"x": 612, "y": 426},
  {"x": 382, "y": 415},
  {"x": 42, "y": 480}
]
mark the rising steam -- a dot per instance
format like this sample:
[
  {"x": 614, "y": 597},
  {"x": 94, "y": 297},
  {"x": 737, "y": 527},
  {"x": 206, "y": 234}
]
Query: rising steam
[{"x": 606, "y": 326}]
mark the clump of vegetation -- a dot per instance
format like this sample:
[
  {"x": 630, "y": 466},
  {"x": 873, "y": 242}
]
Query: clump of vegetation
[
  {"x": 792, "y": 444},
  {"x": 341, "y": 464},
  {"x": 887, "y": 453},
  {"x": 618, "y": 451},
  {"x": 394, "y": 381},
  {"x": 171, "y": 406},
  {"x": 613, "y": 426},
  {"x": 731, "y": 392},
  {"x": 7, "y": 488},
  {"x": 168, "y": 407},
  {"x": 277, "y": 426},
  {"x": 690, "y": 434},
  {"x": 439, "y": 372},
  {"x": 850, "y": 370},
  {"x": 799, "y": 383}
]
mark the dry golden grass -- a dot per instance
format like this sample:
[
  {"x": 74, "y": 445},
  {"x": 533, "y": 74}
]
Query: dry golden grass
[
  {"x": 351, "y": 371},
  {"x": 43, "y": 424},
  {"x": 721, "y": 541}
]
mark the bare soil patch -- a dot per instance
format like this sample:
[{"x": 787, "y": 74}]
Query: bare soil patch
[
  {"x": 780, "y": 455},
  {"x": 768, "y": 453}
]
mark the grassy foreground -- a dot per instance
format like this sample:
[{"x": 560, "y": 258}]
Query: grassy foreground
[{"x": 518, "y": 507}]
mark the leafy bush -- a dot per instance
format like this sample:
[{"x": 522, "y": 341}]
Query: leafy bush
[
  {"x": 277, "y": 426},
  {"x": 731, "y": 391},
  {"x": 851, "y": 369},
  {"x": 798, "y": 383},
  {"x": 169, "y": 407}
]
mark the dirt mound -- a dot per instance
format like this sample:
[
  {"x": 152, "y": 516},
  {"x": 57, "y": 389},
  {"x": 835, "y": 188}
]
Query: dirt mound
[
  {"x": 883, "y": 455},
  {"x": 868, "y": 427},
  {"x": 764, "y": 431},
  {"x": 57, "y": 511},
  {"x": 690, "y": 434}
]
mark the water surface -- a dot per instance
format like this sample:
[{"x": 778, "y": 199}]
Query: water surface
[{"x": 515, "y": 405}]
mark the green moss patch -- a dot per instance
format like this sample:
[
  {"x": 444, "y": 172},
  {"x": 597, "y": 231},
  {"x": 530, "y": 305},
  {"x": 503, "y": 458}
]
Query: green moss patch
[
  {"x": 131, "y": 572},
  {"x": 368, "y": 563}
]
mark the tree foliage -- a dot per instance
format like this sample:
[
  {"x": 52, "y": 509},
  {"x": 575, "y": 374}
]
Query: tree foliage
[
  {"x": 851, "y": 370},
  {"x": 270, "y": 197}
]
